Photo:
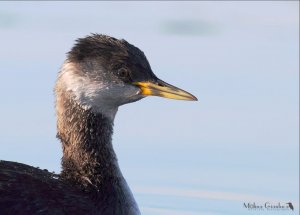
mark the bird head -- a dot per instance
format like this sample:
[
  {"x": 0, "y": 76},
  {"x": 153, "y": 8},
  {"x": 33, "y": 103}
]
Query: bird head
[{"x": 102, "y": 73}]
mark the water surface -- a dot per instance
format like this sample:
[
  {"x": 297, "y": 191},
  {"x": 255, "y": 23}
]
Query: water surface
[{"x": 238, "y": 144}]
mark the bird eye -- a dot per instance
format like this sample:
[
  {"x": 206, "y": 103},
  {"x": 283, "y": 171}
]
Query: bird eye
[{"x": 123, "y": 73}]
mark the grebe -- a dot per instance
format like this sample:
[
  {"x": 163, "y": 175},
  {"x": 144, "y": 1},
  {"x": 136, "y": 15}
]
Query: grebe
[{"x": 100, "y": 74}]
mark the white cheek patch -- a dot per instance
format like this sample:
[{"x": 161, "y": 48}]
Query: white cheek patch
[{"x": 101, "y": 97}]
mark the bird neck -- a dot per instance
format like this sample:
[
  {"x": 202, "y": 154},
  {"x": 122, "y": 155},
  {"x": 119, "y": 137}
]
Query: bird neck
[
  {"x": 89, "y": 161},
  {"x": 88, "y": 156}
]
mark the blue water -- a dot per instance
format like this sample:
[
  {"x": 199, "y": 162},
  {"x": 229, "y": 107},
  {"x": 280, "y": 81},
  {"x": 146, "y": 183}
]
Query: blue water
[{"x": 238, "y": 144}]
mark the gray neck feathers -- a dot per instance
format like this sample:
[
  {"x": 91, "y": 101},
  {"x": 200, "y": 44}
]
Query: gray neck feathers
[
  {"x": 89, "y": 161},
  {"x": 88, "y": 156}
]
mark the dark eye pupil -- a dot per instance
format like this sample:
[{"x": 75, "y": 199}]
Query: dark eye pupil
[{"x": 123, "y": 73}]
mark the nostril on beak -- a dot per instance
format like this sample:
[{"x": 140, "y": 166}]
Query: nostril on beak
[{"x": 159, "y": 84}]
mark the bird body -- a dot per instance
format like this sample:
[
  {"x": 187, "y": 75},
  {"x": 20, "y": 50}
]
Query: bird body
[
  {"x": 28, "y": 190},
  {"x": 100, "y": 74}
]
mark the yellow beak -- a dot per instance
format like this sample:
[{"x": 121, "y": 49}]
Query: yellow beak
[{"x": 163, "y": 89}]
